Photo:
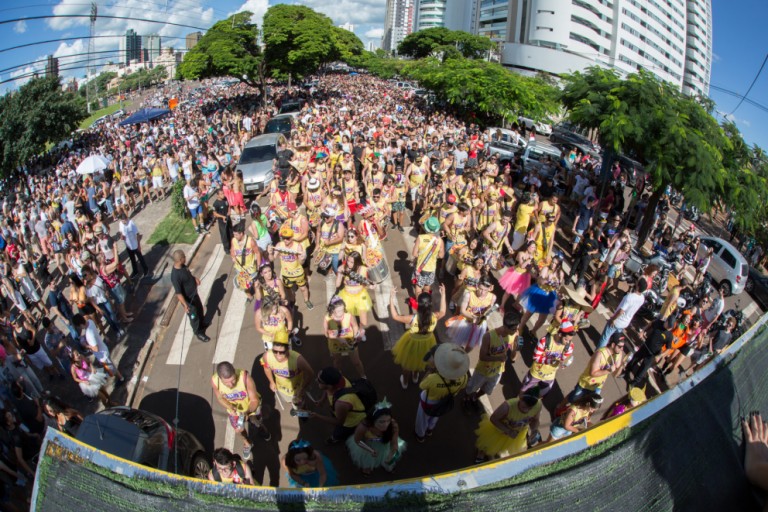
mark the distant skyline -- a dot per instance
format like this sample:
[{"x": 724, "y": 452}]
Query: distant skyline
[{"x": 740, "y": 41}]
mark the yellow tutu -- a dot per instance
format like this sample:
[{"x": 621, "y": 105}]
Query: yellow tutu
[
  {"x": 410, "y": 349},
  {"x": 492, "y": 441},
  {"x": 356, "y": 303}
]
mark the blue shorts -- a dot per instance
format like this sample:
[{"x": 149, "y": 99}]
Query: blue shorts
[
  {"x": 196, "y": 211},
  {"x": 578, "y": 391},
  {"x": 557, "y": 431}
]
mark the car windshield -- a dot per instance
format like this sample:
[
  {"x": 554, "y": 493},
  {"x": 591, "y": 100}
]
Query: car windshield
[
  {"x": 290, "y": 107},
  {"x": 258, "y": 154},
  {"x": 278, "y": 126}
]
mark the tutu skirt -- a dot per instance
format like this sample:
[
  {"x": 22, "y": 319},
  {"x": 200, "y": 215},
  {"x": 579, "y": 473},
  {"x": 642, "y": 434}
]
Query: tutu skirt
[
  {"x": 536, "y": 300},
  {"x": 464, "y": 333},
  {"x": 410, "y": 349},
  {"x": 313, "y": 479},
  {"x": 364, "y": 460},
  {"x": 95, "y": 382},
  {"x": 356, "y": 303},
  {"x": 492, "y": 441},
  {"x": 515, "y": 283}
]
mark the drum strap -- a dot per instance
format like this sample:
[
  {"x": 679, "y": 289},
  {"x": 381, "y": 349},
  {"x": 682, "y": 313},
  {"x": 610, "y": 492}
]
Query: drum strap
[
  {"x": 245, "y": 248},
  {"x": 429, "y": 255}
]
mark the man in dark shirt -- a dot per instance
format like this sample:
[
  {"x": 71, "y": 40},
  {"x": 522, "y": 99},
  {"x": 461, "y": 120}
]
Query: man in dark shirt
[
  {"x": 221, "y": 214},
  {"x": 720, "y": 338},
  {"x": 185, "y": 285},
  {"x": 587, "y": 250},
  {"x": 656, "y": 335},
  {"x": 60, "y": 307},
  {"x": 284, "y": 156}
]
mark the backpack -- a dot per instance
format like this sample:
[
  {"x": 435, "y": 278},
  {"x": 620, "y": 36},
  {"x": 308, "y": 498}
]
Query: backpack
[{"x": 364, "y": 391}]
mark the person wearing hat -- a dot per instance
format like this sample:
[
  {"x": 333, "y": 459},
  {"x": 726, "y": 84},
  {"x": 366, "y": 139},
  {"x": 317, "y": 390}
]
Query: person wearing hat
[
  {"x": 552, "y": 351},
  {"x": 291, "y": 256},
  {"x": 448, "y": 208},
  {"x": 576, "y": 417},
  {"x": 570, "y": 307},
  {"x": 451, "y": 365},
  {"x": 605, "y": 361},
  {"x": 298, "y": 222},
  {"x": 246, "y": 257},
  {"x": 313, "y": 200},
  {"x": 427, "y": 249},
  {"x": 330, "y": 237},
  {"x": 347, "y": 409},
  {"x": 634, "y": 397},
  {"x": 510, "y": 428},
  {"x": 493, "y": 354},
  {"x": 525, "y": 210}
]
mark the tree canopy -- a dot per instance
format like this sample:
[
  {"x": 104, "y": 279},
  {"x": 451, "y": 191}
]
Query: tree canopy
[
  {"x": 38, "y": 113},
  {"x": 228, "y": 48},
  {"x": 299, "y": 40},
  {"x": 435, "y": 40},
  {"x": 672, "y": 134}
]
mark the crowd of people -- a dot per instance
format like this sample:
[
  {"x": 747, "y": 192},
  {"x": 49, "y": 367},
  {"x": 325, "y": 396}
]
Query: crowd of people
[{"x": 366, "y": 159}]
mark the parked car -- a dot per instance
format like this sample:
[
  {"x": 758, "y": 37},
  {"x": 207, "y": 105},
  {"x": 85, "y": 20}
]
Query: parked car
[
  {"x": 564, "y": 134},
  {"x": 290, "y": 107},
  {"x": 728, "y": 269},
  {"x": 757, "y": 287},
  {"x": 536, "y": 158},
  {"x": 541, "y": 127},
  {"x": 505, "y": 143},
  {"x": 282, "y": 123},
  {"x": 146, "y": 439},
  {"x": 256, "y": 161}
]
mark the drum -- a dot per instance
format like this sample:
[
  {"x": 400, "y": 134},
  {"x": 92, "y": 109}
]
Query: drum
[
  {"x": 274, "y": 220},
  {"x": 378, "y": 272},
  {"x": 243, "y": 280},
  {"x": 322, "y": 259}
]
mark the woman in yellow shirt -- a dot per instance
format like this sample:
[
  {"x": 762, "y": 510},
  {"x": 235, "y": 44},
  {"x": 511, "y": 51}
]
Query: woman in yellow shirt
[
  {"x": 352, "y": 278},
  {"x": 342, "y": 332},
  {"x": 509, "y": 428}
]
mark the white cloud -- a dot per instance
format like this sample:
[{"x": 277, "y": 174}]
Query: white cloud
[
  {"x": 26, "y": 73},
  {"x": 375, "y": 33},
  {"x": 257, "y": 7},
  {"x": 739, "y": 121},
  {"x": 20, "y": 27},
  {"x": 357, "y": 12}
]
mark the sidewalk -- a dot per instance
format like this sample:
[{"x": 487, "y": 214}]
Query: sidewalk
[{"x": 149, "y": 302}]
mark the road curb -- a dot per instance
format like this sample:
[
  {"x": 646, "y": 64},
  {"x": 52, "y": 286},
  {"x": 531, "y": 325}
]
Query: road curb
[{"x": 167, "y": 310}]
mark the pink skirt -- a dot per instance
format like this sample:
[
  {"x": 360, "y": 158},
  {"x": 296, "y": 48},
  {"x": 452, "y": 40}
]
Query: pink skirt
[{"x": 515, "y": 283}]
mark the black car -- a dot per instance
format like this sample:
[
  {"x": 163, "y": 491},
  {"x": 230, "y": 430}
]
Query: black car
[
  {"x": 282, "y": 123},
  {"x": 563, "y": 134},
  {"x": 757, "y": 287},
  {"x": 145, "y": 438},
  {"x": 290, "y": 107}
]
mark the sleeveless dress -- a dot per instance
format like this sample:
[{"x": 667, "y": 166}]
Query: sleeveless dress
[
  {"x": 312, "y": 475},
  {"x": 540, "y": 299},
  {"x": 363, "y": 459},
  {"x": 463, "y": 332},
  {"x": 356, "y": 298},
  {"x": 515, "y": 280},
  {"x": 492, "y": 441},
  {"x": 410, "y": 349}
]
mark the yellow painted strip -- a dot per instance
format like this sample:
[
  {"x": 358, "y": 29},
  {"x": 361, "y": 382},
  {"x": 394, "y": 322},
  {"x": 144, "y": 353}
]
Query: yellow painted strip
[{"x": 606, "y": 429}]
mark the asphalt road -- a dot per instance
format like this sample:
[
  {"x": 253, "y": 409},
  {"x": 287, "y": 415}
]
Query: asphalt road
[{"x": 181, "y": 363}]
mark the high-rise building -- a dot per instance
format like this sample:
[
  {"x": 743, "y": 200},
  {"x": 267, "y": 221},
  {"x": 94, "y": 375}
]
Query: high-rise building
[
  {"x": 671, "y": 38},
  {"x": 150, "y": 48},
  {"x": 51, "y": 66},
  {"x": 192, "y": 39},
  {"x": 130, "y": 47},
  {"x": 398, "y": 23},
  {"x": 451, "y": 14}
]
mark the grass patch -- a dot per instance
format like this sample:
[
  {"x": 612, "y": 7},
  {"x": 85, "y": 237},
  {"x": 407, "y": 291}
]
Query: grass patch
[
  {"x": 100, "y": 113},
  {"x": 174, "y": 230}
]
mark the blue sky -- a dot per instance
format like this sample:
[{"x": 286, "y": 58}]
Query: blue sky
[{"x": 740, "y": 40}]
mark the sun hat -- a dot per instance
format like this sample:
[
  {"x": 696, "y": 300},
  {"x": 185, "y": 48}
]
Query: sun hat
[
  {"x": 313, "y": 184},
  {"x": 286, "y": 232},
  {"x": 432, "y": 225},
  {"x": 451, "y": 361},
  {"x": 576, "y": 299},
  {"x": 566, "y": 327}
]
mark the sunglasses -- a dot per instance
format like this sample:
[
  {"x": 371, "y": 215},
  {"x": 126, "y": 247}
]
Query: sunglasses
[{"x": 283, "y": 352}]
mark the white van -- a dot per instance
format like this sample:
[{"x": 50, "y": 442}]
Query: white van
[{"x": 728, "y": 269}]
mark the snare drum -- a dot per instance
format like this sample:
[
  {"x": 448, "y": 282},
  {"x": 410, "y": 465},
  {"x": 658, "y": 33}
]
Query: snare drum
[
  {"x": 379, "y": 272},
  {"x": 274, "y": 220},
  {"x": 243, "y": 280},
  {"x": 322, "y": 259}
]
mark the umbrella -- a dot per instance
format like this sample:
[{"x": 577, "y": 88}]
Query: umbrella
[
  {"x": 145, "y": 115},
  {"x": 92, "y": 164}
]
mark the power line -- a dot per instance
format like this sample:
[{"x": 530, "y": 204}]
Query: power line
[
  {"x": 737, "y": 95},
  {"x": 106, "y": 16},
  {"x": 751, "y": 85}
]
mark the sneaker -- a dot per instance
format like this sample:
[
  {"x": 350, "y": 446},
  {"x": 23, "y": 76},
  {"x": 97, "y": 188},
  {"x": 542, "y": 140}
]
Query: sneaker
[
  {"x": 203, "y": 338},
  {"x": 264, "y": 433},
  {"x": 429, "y": 432},
  {"x": 403, "y": 382},
  {"x": 247, "y": 452},
  {"x": 415, "y": 377},
  {"x": 418, "y": 437},
  {"x": 309, "y": 305}
]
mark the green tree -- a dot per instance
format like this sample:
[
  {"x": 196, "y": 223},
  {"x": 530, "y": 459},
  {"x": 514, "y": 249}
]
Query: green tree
[
  {"x": 348, "y": 47},
  {"x": 424, "y": 43},
  {"x": 673, "y": 135},
  {"x": 38, "y": 113},
  {"x": 298, "y": 40},
  {"x": 228, "y": 48}
]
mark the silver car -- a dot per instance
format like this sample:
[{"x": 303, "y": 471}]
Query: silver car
[{"x": 256, "y": 161}]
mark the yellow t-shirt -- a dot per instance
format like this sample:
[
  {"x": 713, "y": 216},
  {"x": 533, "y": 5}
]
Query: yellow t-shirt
[
  {"x": 524, "y": 212},
  {"x": 437, "y": 389},
  {"x": 328, "y": 231},
  {"x": 586, "y": 381},
  {"x": 288, "y": 378},
  {"x": 428, "y": 246},
  {"x": 357, "y": 414},
  {"x": 519, "y": 421},
  {"x": 497, "y": 347}
]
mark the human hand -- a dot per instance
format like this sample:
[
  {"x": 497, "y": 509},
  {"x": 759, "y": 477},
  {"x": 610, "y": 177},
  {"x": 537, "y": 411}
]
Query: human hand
[
  {"x": 756, "y": 453},
  {"x": 272, "y": 387}
]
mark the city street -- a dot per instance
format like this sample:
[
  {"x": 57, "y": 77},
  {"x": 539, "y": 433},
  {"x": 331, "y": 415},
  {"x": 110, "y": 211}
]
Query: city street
[{"x": 181, "y": 362}]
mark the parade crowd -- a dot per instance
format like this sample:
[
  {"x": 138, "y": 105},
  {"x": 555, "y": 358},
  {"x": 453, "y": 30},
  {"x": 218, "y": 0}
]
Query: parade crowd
[{"x": 365, "y": 159}]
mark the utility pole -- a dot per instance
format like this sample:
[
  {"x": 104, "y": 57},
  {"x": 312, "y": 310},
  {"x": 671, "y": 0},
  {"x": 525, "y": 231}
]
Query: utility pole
[{"x": 91, "y": 49}]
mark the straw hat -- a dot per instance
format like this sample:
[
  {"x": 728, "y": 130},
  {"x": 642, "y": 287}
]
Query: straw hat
[
  {"x": 451, "y": 361},
  {"x": 576, "y": 299},
  {"x": 313, "y": 184}
]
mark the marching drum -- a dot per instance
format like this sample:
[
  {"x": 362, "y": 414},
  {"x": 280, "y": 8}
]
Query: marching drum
[
  {"x": 378, "y": 270},
  {"x": 322, "y": 259},
  {"x": 243, "y": 280},
  {"x": 274, "y": 220}
]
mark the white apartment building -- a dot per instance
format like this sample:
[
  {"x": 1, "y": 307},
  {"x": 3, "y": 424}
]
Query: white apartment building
[
  {"x": 671, "y": 38},
  {"x": 398, "y": 23},
  {"x": 452, "y": 14}
]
